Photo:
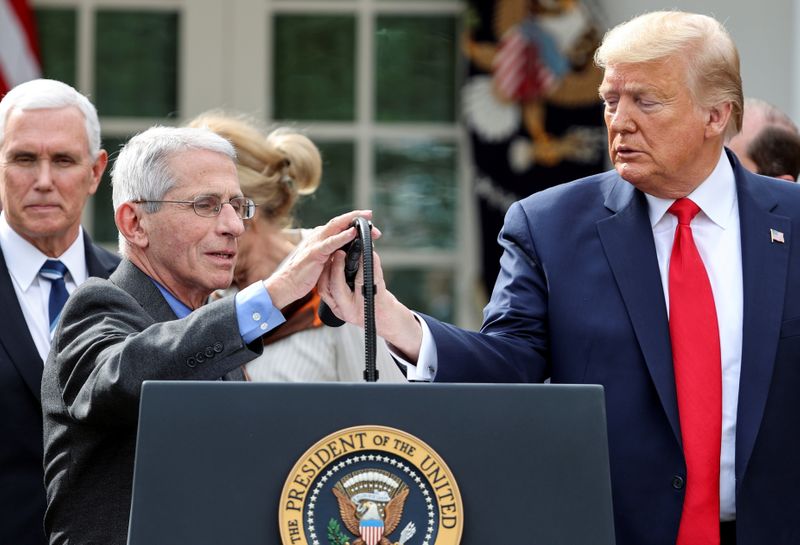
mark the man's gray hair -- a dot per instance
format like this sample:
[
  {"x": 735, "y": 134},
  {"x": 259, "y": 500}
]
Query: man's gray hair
[
  {"x": 142, "y": 170},
  {"x": 711, "y": 56},
  {"x": 39, "y": 94}
]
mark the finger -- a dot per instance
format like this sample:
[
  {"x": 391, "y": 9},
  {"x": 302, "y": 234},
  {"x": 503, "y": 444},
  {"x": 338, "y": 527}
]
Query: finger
[
  {"x": 337, "y": 287},
  {"x": 336, "y": 226},
  {"x": 323, "y": 284},
  {"x": 359, "y": 280},
  {"x": 334, "y": 242},
  {"x": 343, "y": 221},
  {"x": 377, "y": 273},
  {"x": 376, "y": 233}
]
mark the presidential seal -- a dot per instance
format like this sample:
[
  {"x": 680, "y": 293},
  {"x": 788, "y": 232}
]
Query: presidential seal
[{"x": 370, "y": 485}]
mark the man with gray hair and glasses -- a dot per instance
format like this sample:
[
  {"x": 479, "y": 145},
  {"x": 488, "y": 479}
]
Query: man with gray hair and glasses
[
  {"x": 179, "y": 211},
  {"x": 50, "y": 163}
]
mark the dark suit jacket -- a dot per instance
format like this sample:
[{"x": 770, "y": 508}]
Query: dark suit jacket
[
  {"x": 113, "y": 335},
  {"x": 579, "y": 299},
  {"x": 22, "y": 498}
]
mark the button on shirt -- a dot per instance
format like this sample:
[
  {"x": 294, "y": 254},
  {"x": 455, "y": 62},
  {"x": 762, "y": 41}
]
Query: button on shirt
[{"x": 24, "y": 260}]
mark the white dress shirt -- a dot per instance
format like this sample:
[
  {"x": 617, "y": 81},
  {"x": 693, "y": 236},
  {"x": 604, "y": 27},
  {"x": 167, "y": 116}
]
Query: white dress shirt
[
  {"x": 717, "y": 235},
  {"x": 24, "y": 260}
]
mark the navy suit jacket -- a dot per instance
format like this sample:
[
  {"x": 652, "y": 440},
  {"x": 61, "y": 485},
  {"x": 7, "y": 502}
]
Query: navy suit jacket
[
  {"x": 22, "y": 493},
  {"x": 579, "y": 299}
]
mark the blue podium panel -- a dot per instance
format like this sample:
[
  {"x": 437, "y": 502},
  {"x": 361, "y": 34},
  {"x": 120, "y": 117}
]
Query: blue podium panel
[{"x": 223, "y": 462}]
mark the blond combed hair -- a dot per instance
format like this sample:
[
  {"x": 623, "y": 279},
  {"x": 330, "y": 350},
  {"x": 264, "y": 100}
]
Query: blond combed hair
[
  {"x": 711, "y": 57},
  {"x": 275, "y": 168}
]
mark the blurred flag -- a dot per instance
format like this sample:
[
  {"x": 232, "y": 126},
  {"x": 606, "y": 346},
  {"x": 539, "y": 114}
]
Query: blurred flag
[
  {"x": 19, "y": 50},
  {"x": 530, "y": 104}
]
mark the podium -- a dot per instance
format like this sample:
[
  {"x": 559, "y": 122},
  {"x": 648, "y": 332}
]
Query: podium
[{"x": 245, "y": 464}]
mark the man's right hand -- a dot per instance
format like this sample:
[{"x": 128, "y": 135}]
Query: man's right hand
[
  {"x": 301, "y": 270},
  {"x": 393, "y": 320}
]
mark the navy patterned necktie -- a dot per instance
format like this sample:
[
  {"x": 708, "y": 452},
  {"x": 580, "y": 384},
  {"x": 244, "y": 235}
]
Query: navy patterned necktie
[{"x": 53, "y": 270}]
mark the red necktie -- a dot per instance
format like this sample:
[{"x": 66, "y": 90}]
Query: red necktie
[{"x": 698, "y": 380}]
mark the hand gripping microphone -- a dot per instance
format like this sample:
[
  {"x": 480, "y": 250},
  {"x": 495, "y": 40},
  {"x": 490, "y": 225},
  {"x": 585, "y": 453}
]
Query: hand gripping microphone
[
  {"x": 351, "y": 261},
  {"x": 354, "y": 250}
]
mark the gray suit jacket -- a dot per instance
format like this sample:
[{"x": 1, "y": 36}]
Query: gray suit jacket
[
  {"x": 22, "y": 499},
  {"x": 114, "y": 334}
]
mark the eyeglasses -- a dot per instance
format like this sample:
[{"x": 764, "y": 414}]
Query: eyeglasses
[{"x": 209, "y": 206}]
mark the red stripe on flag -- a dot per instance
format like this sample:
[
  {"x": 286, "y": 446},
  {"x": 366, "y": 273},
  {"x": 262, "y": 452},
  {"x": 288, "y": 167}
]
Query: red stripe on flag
[
  {"x": 19, "y": 49},
  {"x": 509, "y": 66},
  {"x": 28, "y": 22}
]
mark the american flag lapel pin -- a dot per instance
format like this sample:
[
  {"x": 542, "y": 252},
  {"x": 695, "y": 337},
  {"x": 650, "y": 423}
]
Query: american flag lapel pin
[{"x": 776, "y": 236}]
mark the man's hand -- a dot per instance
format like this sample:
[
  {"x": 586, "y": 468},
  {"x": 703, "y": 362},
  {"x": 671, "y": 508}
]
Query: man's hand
[
  {"x": 301, "y": 270},
  {"x": 393, "y": 320}
]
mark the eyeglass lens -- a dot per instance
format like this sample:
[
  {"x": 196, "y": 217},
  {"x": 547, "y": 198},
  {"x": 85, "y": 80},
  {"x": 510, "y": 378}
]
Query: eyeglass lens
[{"x": 211, "y": 205}]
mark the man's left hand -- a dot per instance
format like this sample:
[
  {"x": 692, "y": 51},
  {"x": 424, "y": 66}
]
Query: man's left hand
[{"x": 301, "y": 270}]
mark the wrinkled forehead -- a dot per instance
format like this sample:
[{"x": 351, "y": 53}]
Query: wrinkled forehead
[
  {"x": 643, "y": 77},
  {"x": 200, "y": 171}
]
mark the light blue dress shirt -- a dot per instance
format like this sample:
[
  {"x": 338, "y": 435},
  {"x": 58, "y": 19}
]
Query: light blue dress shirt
[{"x": 254, "y": 310}]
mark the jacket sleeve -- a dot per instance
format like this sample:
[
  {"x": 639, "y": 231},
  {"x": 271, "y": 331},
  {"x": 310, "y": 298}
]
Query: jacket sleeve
[
  {"x": 107, "y": 345},
  {"x": 512, "y": 345}
]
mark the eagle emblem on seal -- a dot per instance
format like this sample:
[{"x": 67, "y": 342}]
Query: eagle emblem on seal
[{"x": 371, "y": 506}]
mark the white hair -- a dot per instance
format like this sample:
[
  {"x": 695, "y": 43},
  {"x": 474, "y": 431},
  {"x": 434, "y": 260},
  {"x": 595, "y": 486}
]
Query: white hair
[{"x": 39, "y": 94}]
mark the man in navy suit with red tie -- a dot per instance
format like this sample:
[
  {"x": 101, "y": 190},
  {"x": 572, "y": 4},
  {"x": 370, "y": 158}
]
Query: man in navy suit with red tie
[
  {"x": 672, "y": 280},
  {"x": 50, "y": 162}
]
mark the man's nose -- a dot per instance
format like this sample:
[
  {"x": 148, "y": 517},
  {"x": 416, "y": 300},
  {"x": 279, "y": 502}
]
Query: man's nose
[
  {"x": 229, "y": 221},
  {"x": 43, "y": 172},
  {"x": 622, "y": 119}
]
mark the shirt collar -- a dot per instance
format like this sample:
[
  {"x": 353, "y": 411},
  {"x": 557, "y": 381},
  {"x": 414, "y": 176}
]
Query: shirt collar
[
  {"x": 24, "y": 268},
  {"x": 716, "y": 196},
  {"x": 180, "y": 310}
]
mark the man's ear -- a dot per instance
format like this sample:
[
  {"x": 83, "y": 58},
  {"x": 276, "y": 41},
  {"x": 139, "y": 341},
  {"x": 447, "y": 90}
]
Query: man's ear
[
  {"x": 129, "y": 222},
  {"x": 98, "y": 167},
  {"x": 717, "y": 119}
]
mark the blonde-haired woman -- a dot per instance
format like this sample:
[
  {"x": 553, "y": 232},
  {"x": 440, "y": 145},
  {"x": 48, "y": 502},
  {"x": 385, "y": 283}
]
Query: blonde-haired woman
[{"x": 276, "y": 168}]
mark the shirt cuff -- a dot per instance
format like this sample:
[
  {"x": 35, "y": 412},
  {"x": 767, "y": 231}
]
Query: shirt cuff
[
  {"x": 256, "y": 313},
  {"x": 427, "y": 364}
]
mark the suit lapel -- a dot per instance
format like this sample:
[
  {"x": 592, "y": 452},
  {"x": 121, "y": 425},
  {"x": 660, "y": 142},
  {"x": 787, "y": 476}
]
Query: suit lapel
[
  {"x": 627, "y": 239},
  {"x": 131, "y": 279},
  {"x": 764, "y": 270},
  {"x": 15, "y": 337},
  {"x": 628, "y": 242}
]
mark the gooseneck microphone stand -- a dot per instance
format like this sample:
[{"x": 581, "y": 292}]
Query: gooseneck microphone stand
[
  {"x": 360, "y": 249},
  {"x": 368, "y": 290}
]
